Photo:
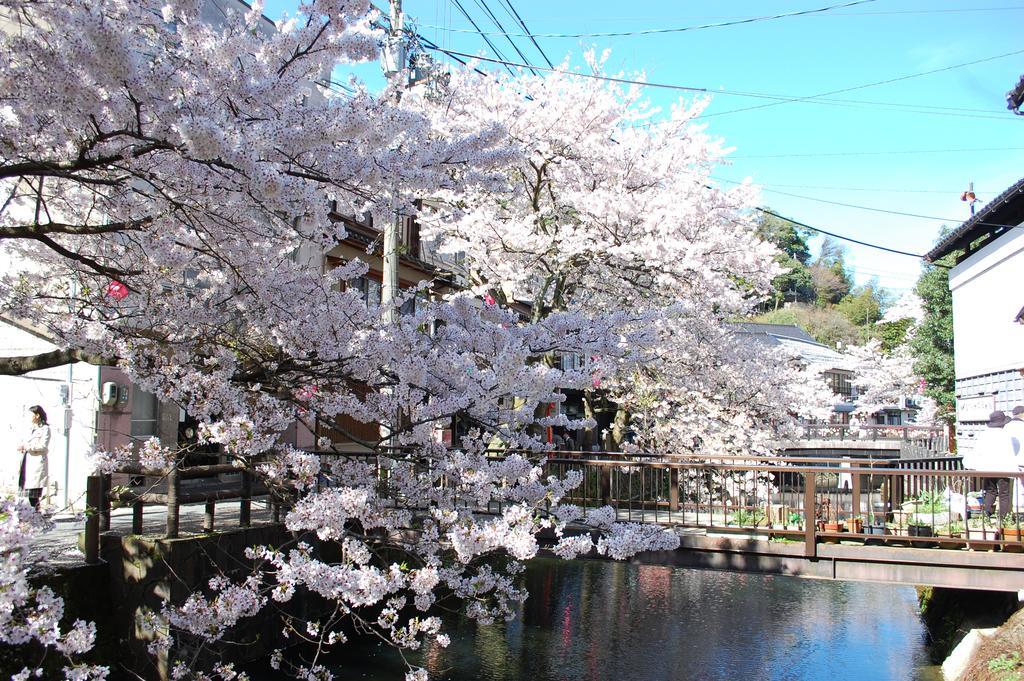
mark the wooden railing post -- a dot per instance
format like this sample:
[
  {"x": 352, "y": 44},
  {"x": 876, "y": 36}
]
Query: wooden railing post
[
  {"x": 673, "y": 489},
  {"x": 105, "y": 504},
  {"x": 137, "y": 516},
  {"x": 605, "y": 476},
  {"x": 855, "y": 494},
  {"x": 208, "y": 515},
  {"x": 245, "y": 505},
  {"x": 173, "y": 488},
  {"x": 93, "y": 503},
  {"x": 810, "y": 520}
]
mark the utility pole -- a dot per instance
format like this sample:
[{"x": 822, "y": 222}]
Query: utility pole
[{"x": 394, "y": 62}]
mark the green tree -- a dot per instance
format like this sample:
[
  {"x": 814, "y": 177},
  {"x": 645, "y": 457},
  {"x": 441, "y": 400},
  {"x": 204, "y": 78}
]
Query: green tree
[
  {"x": 788, "y": 237},
  {"x": 892, "y": 334},
  {"x": 826, "y": 325},
  {"x": 832, "y": 282},
  {"x": 932, "y": 344},
  {"x": 863, "y": 306},
  {"x": 796, "y": 284}
]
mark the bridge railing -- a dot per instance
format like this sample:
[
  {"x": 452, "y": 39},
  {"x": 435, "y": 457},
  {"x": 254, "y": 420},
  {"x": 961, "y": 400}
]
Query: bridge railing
[
  {"x": 934, "y": 438},
  {"x": 923, "y": 503},
  {"x": 171, "y": 488}
]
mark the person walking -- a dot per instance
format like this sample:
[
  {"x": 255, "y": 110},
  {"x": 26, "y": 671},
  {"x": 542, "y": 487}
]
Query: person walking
[
  {"x": 1015, "y": 428},
  {"x": 33, "y": 479},
  {"x": 993, "y": 452}
]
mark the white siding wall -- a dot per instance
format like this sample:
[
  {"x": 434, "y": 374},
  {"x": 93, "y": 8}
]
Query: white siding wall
[{"x": 988, "y": 291}]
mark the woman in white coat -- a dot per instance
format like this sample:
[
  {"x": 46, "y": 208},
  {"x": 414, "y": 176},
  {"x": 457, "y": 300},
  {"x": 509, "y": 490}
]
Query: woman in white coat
[{"x": 34, "y": 470}]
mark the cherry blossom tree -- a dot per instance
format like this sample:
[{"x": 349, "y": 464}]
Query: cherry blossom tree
[
  {"x": 883, "y": 379},
  {"x": 609, "y": 207},
  {"x": 169, "y": 188}
]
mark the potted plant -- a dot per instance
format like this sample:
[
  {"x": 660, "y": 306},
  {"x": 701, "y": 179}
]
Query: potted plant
[
  {"x": 983, "y": 529},
  {"x": 856, "y": 524},
  {"x": 795, "y": 521},
  {"x": 1011, "y": 531},
  {"x": 955, "y": 530},
  {"x": 828, "y": 517}
]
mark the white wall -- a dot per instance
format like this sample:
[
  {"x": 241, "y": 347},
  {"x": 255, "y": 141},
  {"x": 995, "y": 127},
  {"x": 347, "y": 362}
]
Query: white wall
[
  {"x": 988, "y": 291},
  {"x": 68, "y": 446}
]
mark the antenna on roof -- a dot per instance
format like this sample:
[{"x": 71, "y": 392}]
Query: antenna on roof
[{"x": 970, "y": 197}]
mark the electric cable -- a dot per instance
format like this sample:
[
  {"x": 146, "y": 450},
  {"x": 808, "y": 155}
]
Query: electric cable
[
  {"x": 482, "y": 4},
  {"x": 680, "y": 29},
  {"x": 841, "y": 237},
  {"x": 868, "y": 85},
  {"x": 486, "y": 39},
  {"x": 779, "y": 99},
  {"x": 515, "y": 14},
  {"x": 845, "y": 205},
  {"x": 894, "y": 152}
]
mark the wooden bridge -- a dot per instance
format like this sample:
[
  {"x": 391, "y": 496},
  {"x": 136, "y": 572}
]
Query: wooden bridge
[{"x": 888, "y": 520}]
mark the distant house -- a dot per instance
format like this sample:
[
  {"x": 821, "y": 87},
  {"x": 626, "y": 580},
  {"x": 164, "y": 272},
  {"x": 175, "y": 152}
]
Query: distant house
[
  {"x": 988, "y": 311},
  {"x": 838, "y": 375}
]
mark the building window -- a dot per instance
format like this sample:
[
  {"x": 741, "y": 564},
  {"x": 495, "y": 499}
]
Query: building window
[
  {"x": 839, "y": 383},
  {"x": 145, "y": 413}
]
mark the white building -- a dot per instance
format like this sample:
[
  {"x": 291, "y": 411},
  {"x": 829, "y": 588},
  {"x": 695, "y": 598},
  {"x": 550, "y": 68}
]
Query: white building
[
  {"x": 987, "y": 284},
  {"x": 69, "y": 396}
]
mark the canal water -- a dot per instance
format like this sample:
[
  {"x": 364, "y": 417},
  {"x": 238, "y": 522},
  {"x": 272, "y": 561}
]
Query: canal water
[{"x": 595, "y": 620}]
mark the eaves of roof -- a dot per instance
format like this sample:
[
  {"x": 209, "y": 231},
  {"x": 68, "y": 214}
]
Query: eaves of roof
[{"x": 1000, "y": 214}]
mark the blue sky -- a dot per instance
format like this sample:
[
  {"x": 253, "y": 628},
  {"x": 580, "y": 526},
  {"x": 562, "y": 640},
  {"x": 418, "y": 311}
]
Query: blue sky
[{"x": 910, "y": 146}]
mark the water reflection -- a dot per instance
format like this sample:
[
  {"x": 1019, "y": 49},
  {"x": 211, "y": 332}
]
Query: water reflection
[{"x": 595, "y": 620}]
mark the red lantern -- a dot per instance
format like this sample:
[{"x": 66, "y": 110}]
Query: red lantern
[{"x": 117, "y": 290}]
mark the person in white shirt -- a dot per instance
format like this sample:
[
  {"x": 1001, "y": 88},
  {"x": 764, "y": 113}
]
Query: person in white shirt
[
  {"x": 34, "y": 451},
  {"x": 1015, "y": 428},
  {"x": 994, "y": 452}
]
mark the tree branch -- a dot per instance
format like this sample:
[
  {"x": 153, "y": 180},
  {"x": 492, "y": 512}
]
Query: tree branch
[{"x": 17, "y": 366}]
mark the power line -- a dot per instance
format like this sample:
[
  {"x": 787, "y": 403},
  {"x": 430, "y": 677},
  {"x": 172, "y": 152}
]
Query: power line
[
  {"x": 704, "y": 17},
  {"x": 845, "y": 205},
  {"x": 895, "y": 152},
  {"x": 681, "y": 29},
  {"x": 868, "y": 85},
  {"x": 486, "y": 39},
  {"x": 779, "y": 99},
  {"x": 839, "y": 236},
  {"x": 515, "y": 14},
  {"x": 482, "y": 4},
  {"x": 951, "y": 192}
]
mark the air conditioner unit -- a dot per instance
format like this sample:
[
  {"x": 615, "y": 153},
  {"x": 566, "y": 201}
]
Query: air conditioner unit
[{"x": 109, "y": 394}]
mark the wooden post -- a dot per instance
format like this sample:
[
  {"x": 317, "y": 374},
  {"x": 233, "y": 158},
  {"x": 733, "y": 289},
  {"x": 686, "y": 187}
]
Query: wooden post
[
  {"x": 93, "y": 502},
  {"x": 208, "y": 515},
  {"x": 673, "y": 489},
  {"x": 245, "y": 505},
  {"x": 137, "y": 516},
  {"x": 855, "y": 494},
  {"x": 105, "y": 505},
  {"x": 810, "y": 521},
  {"x": 605, "y": 473},
  {"x": 173, "y": 487}
]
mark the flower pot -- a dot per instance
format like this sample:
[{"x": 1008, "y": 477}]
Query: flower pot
[
  {"x": 952, "y": 545},
  {"x": 832, "y": 527},
  {"x": 1012, "y": 537},
  {"x": 920, "y": 531},
  {"x": 982, "y": 534},
  {"x": 856, "y": 525},
  {"x": 875, "y": 529}
]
